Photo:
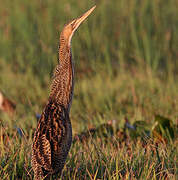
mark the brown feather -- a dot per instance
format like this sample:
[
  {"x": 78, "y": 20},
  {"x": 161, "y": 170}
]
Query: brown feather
[{"x": 52, "y": 140}]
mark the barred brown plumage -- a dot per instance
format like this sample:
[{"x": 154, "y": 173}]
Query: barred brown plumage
[{"x": 53, "y": 136}]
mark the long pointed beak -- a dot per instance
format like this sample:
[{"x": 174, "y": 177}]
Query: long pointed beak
[{"x": 79, "y": 20}]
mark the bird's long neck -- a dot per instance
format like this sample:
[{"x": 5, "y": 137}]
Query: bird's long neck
[{"x": 62, "y": 85}]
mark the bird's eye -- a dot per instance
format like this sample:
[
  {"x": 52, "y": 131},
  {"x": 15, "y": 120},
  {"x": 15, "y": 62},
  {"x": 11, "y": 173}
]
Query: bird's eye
[{"x": 73, "y": 23}]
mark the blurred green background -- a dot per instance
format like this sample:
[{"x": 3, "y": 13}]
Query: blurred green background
[{"x": 125, "y": 53}]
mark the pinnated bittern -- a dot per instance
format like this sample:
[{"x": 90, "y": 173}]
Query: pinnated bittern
[{"x": 53, "y": 136}]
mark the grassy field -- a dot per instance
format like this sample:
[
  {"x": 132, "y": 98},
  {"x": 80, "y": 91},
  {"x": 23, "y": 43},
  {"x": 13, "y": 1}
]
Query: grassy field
[{"x": 126, "y": 67}]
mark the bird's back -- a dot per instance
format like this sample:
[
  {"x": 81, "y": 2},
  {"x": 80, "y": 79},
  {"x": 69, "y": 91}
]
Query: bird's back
[{"x": 52, "y": 141}]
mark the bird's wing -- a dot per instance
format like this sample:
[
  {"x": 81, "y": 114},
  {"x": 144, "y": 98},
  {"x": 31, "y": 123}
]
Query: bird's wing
[
  {"x": 42, "y": 148},
  {"x": 49, "y": 136}
]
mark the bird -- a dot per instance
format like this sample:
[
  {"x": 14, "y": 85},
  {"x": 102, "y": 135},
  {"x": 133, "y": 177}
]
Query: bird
[
  {"x": 53, "y": 136},
  {"x": 6, "y": 105}
]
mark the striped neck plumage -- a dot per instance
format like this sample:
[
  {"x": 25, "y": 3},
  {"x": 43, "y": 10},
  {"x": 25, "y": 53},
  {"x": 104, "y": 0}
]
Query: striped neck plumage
[
  {"x": 63, "y": 82},
  {"x": 62, "y": 85}
]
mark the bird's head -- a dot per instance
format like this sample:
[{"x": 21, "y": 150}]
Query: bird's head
[{"x": 70, "y": 28}]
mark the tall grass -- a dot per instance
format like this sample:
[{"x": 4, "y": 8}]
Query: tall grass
[
  {"x": 126, "y": 65},
  {"x": 117, "y": 33}
]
